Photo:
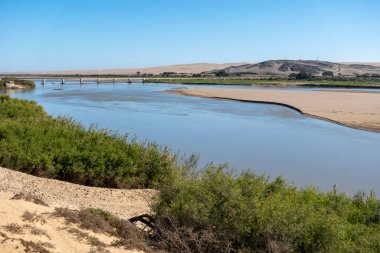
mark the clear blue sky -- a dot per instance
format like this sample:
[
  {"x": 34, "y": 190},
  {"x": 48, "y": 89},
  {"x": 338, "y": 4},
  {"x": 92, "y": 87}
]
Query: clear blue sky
[{"x": 100, "y": 34}]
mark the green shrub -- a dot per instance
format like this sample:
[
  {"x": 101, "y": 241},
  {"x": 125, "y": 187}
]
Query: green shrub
[
  {"x": 28, "y": 83},
  {"x": 216, "y": 211},
  {"x": 212, "y": 210},
  {"x": 35, "y": 143}
]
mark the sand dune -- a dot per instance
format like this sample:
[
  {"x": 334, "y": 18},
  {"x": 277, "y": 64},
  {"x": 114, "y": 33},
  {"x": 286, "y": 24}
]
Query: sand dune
[{"x": 356, "y": 109}]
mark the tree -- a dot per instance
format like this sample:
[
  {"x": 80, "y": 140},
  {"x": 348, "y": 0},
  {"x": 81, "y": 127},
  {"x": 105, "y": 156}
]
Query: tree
[
  {"x": 221, "y": 73},
  {"x": 328, "y": 74},
  {"x": 301, "y": 75}
]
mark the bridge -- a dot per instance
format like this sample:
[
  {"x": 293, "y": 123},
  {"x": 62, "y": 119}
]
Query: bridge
[{"x": 81, "y": 80}]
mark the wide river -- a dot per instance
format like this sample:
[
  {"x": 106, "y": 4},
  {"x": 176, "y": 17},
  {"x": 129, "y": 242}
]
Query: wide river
[{"x": 268, "y": 139}]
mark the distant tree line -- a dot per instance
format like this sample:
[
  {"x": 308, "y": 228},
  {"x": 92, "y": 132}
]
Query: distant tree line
[{"x": 303, "y": 75}]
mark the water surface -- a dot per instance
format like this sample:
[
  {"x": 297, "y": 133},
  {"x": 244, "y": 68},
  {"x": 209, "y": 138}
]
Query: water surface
[{"x": 268, "y": 139}]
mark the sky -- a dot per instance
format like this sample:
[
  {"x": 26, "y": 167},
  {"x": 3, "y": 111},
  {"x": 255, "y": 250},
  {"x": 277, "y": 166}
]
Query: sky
[{"x": 107, "y": 34}]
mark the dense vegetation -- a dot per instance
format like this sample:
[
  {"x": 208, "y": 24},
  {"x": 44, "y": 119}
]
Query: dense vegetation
[
  {"x": 35, "y": 143},
  {"x": 216, "y": 211},
  {"x": 211, "y": 210},
  {"x": 348, "y": 82},
  {"x": 22, "y": 82}
]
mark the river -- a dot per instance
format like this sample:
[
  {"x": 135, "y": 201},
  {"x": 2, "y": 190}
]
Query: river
[{"x": 267, "y": 139}]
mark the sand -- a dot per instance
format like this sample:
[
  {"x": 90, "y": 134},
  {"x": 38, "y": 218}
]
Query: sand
[
  {"x": 356, "y": 109},
  {"x": 55, "y": 234},
  {"x": 123, "y": 203}
]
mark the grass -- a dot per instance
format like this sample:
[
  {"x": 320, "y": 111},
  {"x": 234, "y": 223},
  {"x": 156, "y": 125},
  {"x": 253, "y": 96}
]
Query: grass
[
  {"x": 14, "y": 228},
  {"x": 28, "y": 216},
  {"x": 100, "y": 221},
  {"x": 348, "y": 82},
  {"x": 92, "y": 240},
  {"x": 39, "y": 232},
  {"x": 86, "y": 219},
  {"x": 33, "y": 217},
  {"x": 30, "y": 198},
  {"x": 38, "y": 247}
]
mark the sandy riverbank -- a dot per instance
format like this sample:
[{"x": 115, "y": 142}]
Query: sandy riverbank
[
  {"x": 356, "y": 109},
  {"x": 50, "y": 233},
  {"x": 121, "y": 202},
  {"x": 30, "y": 227}
]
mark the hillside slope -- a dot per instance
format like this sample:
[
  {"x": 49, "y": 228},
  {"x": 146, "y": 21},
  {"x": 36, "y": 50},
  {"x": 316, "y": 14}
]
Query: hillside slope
[{"x": 287, "y": 67}]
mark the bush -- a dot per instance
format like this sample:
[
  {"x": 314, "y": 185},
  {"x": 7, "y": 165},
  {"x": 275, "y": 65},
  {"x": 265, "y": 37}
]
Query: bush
[
  {"x": 17, "y": 81},
  {"x": 301, "y": 76},
  {"x": 328, "y": 74},
  {"x": 35, "y": 143},
  {"x": 211, "y": 210},
  {"x": 221, "y": 73},
  {"x": 215, "y": 211},
  {"x": 101, "y": 221}
]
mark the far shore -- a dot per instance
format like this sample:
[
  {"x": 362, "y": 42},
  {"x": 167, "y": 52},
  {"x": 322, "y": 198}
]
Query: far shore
[{"x": 355, "y": 109}]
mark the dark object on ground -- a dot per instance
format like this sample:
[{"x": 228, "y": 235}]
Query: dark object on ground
[{"x": 30, "y": 198}]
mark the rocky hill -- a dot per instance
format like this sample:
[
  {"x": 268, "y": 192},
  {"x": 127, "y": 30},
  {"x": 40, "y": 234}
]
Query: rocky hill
[{"x": 287, "y": 67}]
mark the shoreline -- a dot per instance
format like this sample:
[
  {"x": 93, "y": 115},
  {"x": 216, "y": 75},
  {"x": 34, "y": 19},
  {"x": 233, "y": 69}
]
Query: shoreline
[
  {"x": 365, "y": 123},
  {"x": 347, "y": 84}
]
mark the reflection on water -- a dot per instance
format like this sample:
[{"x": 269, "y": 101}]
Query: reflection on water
[{"x": 269, "y": 139}]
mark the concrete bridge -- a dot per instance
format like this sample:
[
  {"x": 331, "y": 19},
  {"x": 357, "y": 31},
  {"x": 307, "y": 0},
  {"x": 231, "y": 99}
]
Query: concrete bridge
[{"x": 81, "y": 80}]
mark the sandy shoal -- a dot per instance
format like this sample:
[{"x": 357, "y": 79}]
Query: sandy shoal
[{"x": 356, "y": 109}]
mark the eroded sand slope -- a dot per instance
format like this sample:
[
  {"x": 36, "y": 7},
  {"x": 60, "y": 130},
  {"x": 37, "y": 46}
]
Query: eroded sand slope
[{"x": 48, "y": 232}]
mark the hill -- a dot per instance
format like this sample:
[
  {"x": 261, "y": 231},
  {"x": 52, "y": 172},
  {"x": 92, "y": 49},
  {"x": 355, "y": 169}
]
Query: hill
[{"x": 287, "y": 67}]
